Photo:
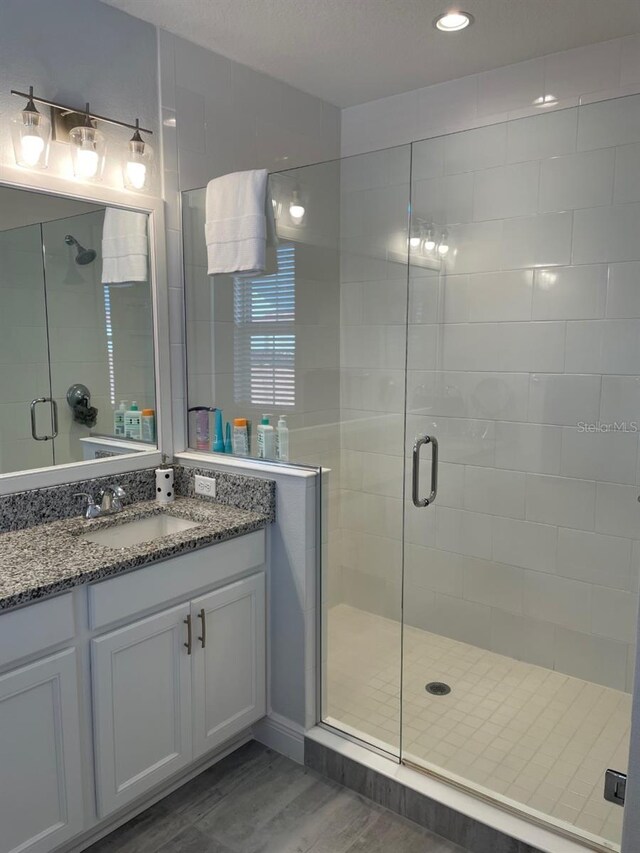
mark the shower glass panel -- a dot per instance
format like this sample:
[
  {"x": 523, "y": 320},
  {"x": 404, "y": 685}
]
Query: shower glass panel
[
  {"x": 520, "y": 581},
  {"x": 362, "y": 562},
  {"x": 24, "y": 355}
]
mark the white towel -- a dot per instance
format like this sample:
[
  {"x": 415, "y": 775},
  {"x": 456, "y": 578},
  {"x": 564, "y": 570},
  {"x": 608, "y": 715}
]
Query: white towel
[
  {"x": 239, "y": 223},
  {"x": 125, "y": 247}
]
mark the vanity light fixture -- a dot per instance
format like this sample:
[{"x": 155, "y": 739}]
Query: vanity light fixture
[
  {"x": 31, "y": 133},
  {"x": 138, "y": 162},
  {"x": 296, "y": 208},
  {"x": 88, "y": 148},
  {"x": 453, "y": 22}
]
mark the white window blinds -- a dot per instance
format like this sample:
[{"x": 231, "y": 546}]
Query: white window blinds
[{"x": 264, "y": 335}]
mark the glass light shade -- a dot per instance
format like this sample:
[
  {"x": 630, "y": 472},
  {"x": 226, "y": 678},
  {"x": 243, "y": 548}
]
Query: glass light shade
[
  {"x": 87, "y": 153},
  {"x": 296, "y": 208},
  {"x": 30, "y": 134},
  {"x": 138, "y": 165},
  {"x": 429, "y": 242}
]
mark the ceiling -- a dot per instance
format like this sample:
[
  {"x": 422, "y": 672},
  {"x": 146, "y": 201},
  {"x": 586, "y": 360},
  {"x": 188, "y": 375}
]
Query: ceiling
[{"x": 352, "y": 51}]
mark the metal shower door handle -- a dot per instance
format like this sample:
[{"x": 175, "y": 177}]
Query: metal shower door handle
[
  {"x": 54, "y": 418},
  {"x": 433, "y": 441}
]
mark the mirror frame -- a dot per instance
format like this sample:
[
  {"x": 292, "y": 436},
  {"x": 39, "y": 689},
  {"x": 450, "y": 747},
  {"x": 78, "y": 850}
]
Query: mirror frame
[{"x": 153, "y": 206}]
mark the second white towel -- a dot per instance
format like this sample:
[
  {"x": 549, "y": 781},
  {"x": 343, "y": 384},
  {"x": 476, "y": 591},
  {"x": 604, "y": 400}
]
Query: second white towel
[
  {"x": 125, "y": 246},
  {"x": 239, "y": 223}
]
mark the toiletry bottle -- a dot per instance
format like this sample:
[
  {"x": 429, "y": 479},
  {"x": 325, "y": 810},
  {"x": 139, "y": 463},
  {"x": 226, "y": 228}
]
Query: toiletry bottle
[
  {"x": 282, "y": 440},
  {"x": 133, "y": 422},
  {"x": 228, "y": 444},
  {"x": 240, "y": 437},
  {"x": 118, "y": 419},
  {"x": 148, "y": 425},
  {"x": 218, "y": 433},
  {"x": 265, "y": 433}
]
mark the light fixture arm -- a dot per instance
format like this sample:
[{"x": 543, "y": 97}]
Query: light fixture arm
[{"x": 31, "y": 98}]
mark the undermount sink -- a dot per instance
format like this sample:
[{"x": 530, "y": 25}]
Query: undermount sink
[{"x": 141, "y": 530}]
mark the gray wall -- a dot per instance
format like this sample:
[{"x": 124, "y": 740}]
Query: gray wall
[{"x": 73, "y": 51}]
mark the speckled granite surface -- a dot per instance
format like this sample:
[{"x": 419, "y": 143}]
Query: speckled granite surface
[
  {"x": 41, "y": 561},
  {"x": 251, "y": 493},
  {"x": 37, "y": 506}
]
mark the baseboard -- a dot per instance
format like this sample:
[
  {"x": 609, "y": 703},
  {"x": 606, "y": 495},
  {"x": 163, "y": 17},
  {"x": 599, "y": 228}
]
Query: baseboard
[{"x": 282, "y": 735}]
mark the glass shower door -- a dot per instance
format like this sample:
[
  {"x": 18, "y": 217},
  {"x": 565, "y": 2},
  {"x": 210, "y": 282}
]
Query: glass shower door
[
  {"x": 25, "y": 385},
  {"x": 520, "y": 580}
]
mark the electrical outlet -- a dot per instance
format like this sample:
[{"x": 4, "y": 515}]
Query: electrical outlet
[{"x": 206, "y": 486}]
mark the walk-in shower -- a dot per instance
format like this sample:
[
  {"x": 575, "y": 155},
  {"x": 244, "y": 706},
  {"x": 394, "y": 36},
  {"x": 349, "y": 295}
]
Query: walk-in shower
[{"x": 486, "y": 637}]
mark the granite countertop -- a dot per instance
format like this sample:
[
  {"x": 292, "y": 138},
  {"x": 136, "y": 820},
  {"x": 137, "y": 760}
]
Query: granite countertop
[{"x": 40, "y": 561}]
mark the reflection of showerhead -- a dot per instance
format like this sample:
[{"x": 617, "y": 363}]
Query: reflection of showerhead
[{"x": 83, "y": 256}]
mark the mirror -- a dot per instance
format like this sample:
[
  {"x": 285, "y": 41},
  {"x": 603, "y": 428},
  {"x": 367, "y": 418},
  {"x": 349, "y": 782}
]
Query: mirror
[{"x": 76, "y": 331}]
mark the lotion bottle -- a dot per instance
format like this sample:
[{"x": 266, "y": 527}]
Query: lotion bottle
[
  {"x": 118, "y": 419},
  {"x": 133, "y": 422},
  {"x": 265, "y": 439},
  {"x": 282, "y": 440}
]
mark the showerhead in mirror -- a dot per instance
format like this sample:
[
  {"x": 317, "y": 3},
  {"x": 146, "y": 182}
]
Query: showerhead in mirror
[{"x": 83, "y": 256}]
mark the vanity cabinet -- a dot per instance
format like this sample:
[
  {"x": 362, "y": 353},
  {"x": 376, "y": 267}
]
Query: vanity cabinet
[
  {"x": 142, "y": 706},
  {"x": 169, "y": 688},
  {"x": 228, "y": 662},
  {"x": 41, "y": 801}
]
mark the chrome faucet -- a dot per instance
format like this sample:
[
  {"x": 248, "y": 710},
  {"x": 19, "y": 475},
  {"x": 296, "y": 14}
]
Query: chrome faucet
[
  {"x": 111, "y": 499},
  {"x": 92, "y": 510}
]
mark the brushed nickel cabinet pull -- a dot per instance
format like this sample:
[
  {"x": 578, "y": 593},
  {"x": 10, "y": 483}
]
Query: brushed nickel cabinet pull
[
  {"x": 187, "y": 645},
  {"x": 203, "y": 616}
]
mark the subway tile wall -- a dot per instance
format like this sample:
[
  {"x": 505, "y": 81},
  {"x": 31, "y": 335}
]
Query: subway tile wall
[
  {"x": 527, "y": 332},
  {"x": 602, "y": 70}
]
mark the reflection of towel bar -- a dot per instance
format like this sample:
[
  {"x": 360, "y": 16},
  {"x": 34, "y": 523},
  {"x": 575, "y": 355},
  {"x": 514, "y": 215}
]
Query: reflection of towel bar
[{"x": 54, "y": 418}]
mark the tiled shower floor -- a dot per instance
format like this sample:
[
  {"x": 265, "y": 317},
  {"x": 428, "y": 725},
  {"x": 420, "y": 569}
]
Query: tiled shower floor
[{"x": 529, "y": 734}]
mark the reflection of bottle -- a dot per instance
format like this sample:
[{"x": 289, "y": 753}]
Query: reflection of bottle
[
  {"x": 118, "y": 418},
  {"x": 282, "y": 440},
  {"x": 133, "y": 422},
  {"x": 240, "y": 437},
  {"x": 265, "y": 439},
  {"x": 218, "y": 433},
  {"x": 148, "y": 425}
]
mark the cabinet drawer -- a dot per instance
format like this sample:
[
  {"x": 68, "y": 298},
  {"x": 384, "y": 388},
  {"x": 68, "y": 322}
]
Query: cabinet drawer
[
  {"x": 35, "y": 628},
  {"x": 153, "y": 585}
]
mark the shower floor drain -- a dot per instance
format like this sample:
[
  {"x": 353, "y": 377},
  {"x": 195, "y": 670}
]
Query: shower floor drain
[{"x": 437, "y": 688}]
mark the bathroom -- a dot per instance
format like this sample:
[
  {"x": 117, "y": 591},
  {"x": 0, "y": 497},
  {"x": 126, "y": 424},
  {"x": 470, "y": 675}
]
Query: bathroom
[{"x": 342, "y": 553}]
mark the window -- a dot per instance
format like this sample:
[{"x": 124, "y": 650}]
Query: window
[{"x": 264, "y": 336}]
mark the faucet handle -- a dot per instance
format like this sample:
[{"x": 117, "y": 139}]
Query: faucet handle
[
  {"x": 112, "y": 498},
  {"x": 92, "y": 510}
]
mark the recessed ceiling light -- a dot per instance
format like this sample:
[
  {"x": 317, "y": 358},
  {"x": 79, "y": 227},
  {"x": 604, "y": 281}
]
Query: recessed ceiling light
[
  {"x": 545, "y": 101},
  {"x": 452, "y": 22}
]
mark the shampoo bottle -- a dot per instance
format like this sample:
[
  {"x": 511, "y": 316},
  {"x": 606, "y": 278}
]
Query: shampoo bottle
[
  {"x": 118, "y": 419},
  {"x": 133, "y": 422},
  {"x": 266, "y": 444},
  {"x": 148, "y": 429}
]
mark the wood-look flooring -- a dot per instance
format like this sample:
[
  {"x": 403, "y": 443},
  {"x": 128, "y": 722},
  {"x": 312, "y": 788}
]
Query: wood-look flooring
[{"x": 257, "y": 801}]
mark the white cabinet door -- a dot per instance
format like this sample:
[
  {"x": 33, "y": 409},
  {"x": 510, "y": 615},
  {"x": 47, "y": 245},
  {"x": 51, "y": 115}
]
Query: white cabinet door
[
  {"x": 142, "y": 706},
  {"x": 229, "y": 661},
  {"x": 40, "y": 762}
]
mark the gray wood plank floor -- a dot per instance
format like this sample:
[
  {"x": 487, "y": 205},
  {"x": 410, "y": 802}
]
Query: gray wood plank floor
[{"x": 257, "y": 801}]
